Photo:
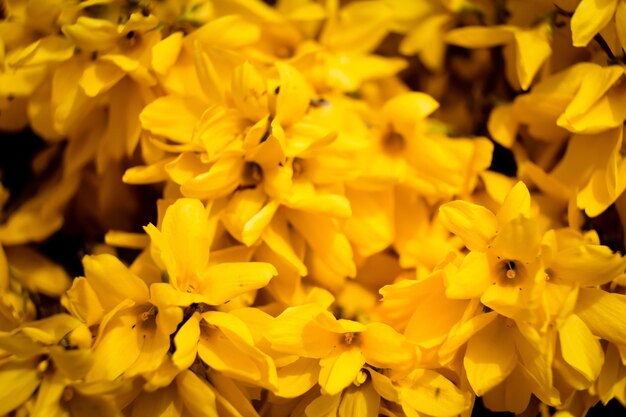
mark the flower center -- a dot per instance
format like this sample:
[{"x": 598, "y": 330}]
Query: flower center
[
  {"x": 393, "y": 142},
  {"x": 252, "y": 174},
  {"x": 509, "y": 271}
]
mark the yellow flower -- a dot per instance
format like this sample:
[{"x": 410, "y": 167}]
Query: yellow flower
[
  {"x": 225, "y": 343},
  {"x": 39, "y": 352},
  {"x": 342, "y": 346},
  {"x": 181, "y": 248},
  {"x": 503, "y": 268},
  {"x": 134, "y": 332}
]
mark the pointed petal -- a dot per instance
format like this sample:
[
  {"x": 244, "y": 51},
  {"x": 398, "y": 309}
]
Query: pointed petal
[
  {"x": 590, "y": 17},
  {"x": 112, "y": 281},
  {"x": 580, "y": 348},
  {"x": 322, "y": 234},
  {"x": 518, "y": 239},
  {"x": 431, "y": 393},
  {"x": 166, "y": 52},
  {"x": 473, "y": 223},
  {"x": 173, "y": 117},
  {"x": 277, "y": 236},
  {"x": 360, "y": 401},
  {"x": 603, "y": 313},
  {"x": 198, "y": 396},
  {"x": 406, "y": 110},
  {"x": 339, "y": 369},
  {"x": 185, "y": 232},
  {"x": 186, "y": 343},
  {"x": 516, "y": 203},
  {"x": 588, "y": 265},
  {"x": 37, "y": 272},
  {"x": 223, "y": 282},
  {"x": 490, "y": 357},
  {"x": 503, "y": 125},
  {"x": 472, "y": 278},
  {"x": 18, "y": 381},
  {"x": 249, "y": 92},
  {"x": 293, "y": 97},
  {"x": 298, "y": 377},
  {"x": 383, "y": 347},
  {"x": 533, "y": 48},
  {"x": 160, "y": 403}
]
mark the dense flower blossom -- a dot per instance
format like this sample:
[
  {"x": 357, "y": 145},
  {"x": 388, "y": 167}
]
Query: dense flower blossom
[{"x": 312, "y": 208}]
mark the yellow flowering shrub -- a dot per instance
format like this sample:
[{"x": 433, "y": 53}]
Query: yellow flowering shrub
[{"x": 312, "y": 208}]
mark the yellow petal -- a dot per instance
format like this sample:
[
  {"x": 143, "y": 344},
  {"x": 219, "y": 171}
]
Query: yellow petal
[
  {"x": 580, "y": 348},
  {"x": 590, "y": 17},
  {"x": 297, "y": 378},
  {"x": 620, "y": 23},
  {"x": 223, "y": 282},
  {"x": 18, "y": 381},
  {"x": 430, "y": 296},
  {"x": 82, "y": 301},
  {"x": 229, "y": 347},
  {"x": 99, "y": 77},
  {"x": 406, "y": 110},
  {"x": 536, "y": 353},
  {"x": 36, "y": 272},
  {"x": 360, "y": 401},
  {"x": 222, "y": 178},
  {"x": 589, "y": 265},
  {"x": 339, "y": 369},
  {"x": 247, "y": 215},
  {"x": 473, "y": 223},
  {"x": 160, "y": 403},
  {"x": 186, "y": 236},
  {"x": 165, "y": 53},
  {"x": 383, "y": 347},
  {"x": 490, "y": 357},
  {"x": 503, "y": 125},
  {"x": 293, "y": 96},
  {"x": 429, "y": 392},
  {"x": 44, "y": 51},
  {"x": 249, "y": 92},
  {"x": 517, "y": 203},
  {"x": 371, "y": 227},
  {"x": 533, "y": 48},
  {"x": 294, "y": 331},
  {"x": 472, "y": 278},
  {"x": 305, "y": 197},
  {"x": 146, "y": 174},
  {"x": 91, "y": 34},
  {"x": 118, "y": 347},
  {"x": 518, "y": 239},
  {"x": 49, "y": 396},
  {"x": 186, "y": 343},
  {"x": 480, "y": 37},
  {"x": 602, "y": 312},
  {"x": 359, "y": 27},
  {"x": 462, "y": 332},
  {"x": 277, "y": 236},
  {"x": 172, "y": 116},
  {"x": 323, "y": 236},
  {"x": 198, "y": 397},
  {"x": 123, "y": 239},
  {"x": 594, "y": 82},
  {"x": 112, "y": 281}
]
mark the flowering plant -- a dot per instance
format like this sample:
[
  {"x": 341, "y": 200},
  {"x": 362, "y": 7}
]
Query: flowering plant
[{"x": 312, "y": 208}]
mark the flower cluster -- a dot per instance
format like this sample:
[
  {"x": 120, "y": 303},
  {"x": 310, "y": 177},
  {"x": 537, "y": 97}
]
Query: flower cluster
[{"x": 314, "y": 208}]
